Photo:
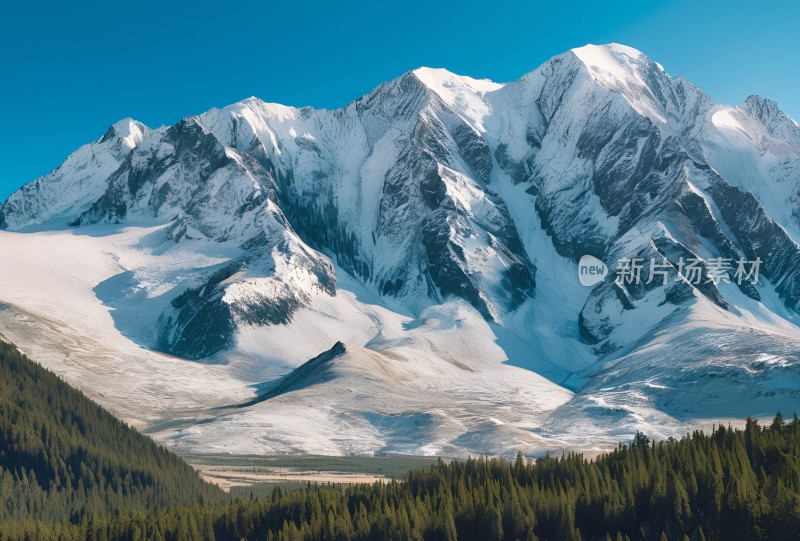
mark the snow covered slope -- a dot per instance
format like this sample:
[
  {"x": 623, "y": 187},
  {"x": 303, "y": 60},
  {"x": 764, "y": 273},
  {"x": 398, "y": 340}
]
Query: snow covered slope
[
  {"x": 428, "y": 232},
  {"x": 77, "y": 183}
]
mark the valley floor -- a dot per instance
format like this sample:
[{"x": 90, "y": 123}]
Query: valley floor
[{"x": 228, "y": 471}]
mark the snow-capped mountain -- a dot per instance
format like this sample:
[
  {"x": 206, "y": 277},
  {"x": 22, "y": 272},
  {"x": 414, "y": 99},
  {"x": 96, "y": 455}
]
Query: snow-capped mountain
[
  {"x": 80, "y": 180},
  {"x": 430, "y": 232}
]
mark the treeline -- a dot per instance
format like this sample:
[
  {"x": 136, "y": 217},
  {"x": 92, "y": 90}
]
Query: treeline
[
  {"x": 69, "y": 471},
  {"x": 62, "y": 457},
  {"x": 731, "y": 484}
]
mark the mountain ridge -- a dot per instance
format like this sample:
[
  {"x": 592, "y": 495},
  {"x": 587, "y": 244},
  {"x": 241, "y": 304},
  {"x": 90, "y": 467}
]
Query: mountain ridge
[{"x": 393, "y": 222}]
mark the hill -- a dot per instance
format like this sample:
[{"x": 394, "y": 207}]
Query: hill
[
  {"x": 63, "y": 456},
  {"x": 731, "y": 484}
]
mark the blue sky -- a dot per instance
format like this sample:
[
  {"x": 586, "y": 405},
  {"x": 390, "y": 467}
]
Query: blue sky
[{"x": 70, "y": 69}]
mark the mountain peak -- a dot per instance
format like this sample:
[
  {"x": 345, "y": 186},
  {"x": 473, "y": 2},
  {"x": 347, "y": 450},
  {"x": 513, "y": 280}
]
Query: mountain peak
[
  {"x": 639, "y": 80},
  {"x": 130, "y": 131},
  {"x": 621, "y": 49},
  {"x": 613, "y": 60},
  {"x": 762, "y": 108},
  {"x": 769, "y": 114},
  {"x": 447, "y": 84},
  {"x": 438, "y": 78},
  {"x": 460, "y": 92},
  {"x": 261, "y": 107}
]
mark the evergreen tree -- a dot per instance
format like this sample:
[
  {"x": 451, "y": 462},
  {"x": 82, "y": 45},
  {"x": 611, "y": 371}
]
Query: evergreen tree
[{"x": 69, "y": 472}]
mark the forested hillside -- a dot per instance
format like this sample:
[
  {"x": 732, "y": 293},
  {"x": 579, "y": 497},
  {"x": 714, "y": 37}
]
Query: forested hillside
[
  {"x": 70, "y": 471},
  {"x": 732, "y": 484},
  {"x": 63, "y": 457}
]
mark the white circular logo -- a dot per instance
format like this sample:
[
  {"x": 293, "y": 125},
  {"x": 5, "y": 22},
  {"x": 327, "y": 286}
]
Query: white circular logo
[{"x": 591, "y": 270}]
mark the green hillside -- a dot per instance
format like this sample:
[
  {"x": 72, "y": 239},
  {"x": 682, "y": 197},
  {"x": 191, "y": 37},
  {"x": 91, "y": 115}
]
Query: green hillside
[
  {"x": 63, "y": 456},
  {"x": 730, "y": 485},
  {"x": 69, "y": 471}
]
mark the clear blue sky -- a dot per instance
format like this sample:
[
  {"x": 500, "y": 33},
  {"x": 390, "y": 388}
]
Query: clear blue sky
[{"x": 70, "y": 69}]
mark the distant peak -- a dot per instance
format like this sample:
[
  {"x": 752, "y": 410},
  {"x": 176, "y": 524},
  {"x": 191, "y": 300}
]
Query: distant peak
[
  {"x": 128, "y": 126},
  {"x": 624, "y": 50},
  {"x": 642, "y": 82},
  {"x": 612, "y": 48},
  {"x": 255, "y": 103},
  {"x": 424, "y": 72},
  {"x": 613, "y": 58},
  {"x": 459, "y": 92},
  {"x": 253, "y": 100},
  {"x": 759, "y": 105},
  {"x": 440, "y": 79},
  {"x": 767, "y": 111},
  {"x": 128, "y": 130}
]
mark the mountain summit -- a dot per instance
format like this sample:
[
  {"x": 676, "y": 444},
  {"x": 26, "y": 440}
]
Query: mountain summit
[{"x": 435, "y": 226}]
